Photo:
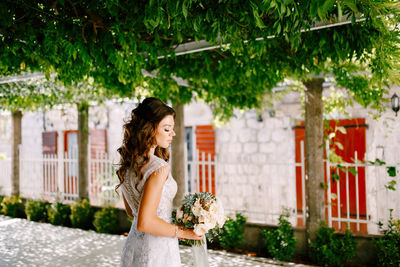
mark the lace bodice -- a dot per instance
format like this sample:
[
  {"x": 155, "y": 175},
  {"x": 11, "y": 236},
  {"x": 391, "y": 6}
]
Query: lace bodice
[
  {"x": 143, "y": 249},
  {"x": 133, "y": 195}
]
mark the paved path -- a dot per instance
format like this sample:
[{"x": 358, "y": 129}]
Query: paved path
[{"x": 25, "y": 243}]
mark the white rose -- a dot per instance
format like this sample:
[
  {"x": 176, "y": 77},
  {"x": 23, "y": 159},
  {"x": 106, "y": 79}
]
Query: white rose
[
  {"x": 197, "y": 210},
  {"x": 210, "y": 222},
  {"x": 179, "y": 214},
  {"x": 213, "y": 209},
  {"x": 200, "y": 229},
  {"x": 221, "y": 220}
]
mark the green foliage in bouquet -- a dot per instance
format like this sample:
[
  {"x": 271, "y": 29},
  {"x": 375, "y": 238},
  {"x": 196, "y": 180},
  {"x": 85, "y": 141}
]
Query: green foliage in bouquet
[
  {"x": 106, "y": 221},
  {"x": 59, "y": 214},
  {"x": 329, "y": 249},
  {"x": 82, "y": 214},
  {"x": 1, "y": 200},
  {"x": 36, "y": 210},
  {"x": 281, "y": 241},
  {"x": 232, "y": 235},
  {"x": 388, "y": 246},
  {"x": 12, "y": 206}
]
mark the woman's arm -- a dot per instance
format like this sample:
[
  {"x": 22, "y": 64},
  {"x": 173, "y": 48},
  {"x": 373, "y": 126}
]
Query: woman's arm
[
  {"x": 148, "y": 221},
  {"x": 127, "y": 207}
]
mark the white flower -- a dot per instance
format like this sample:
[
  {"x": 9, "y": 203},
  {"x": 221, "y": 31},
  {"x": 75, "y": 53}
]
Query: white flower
[
  {"x": 210, "y": 222},
  {"x": 200, "y": 229},
  {"x": 197, "y": 210},
  {"x": 179, "y": 213},
  {"x": 213, "y": 209},
  {"x": 221, "y": 220}
]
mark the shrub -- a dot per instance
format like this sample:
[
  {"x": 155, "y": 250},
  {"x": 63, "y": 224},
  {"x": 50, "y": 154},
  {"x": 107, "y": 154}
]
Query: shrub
[
  {"x": 12, "y": 206},
  {"x": 82, "y": 214},
  {"x": 59, "y": 214},
  {"x": 329, "y": 249},
  {"x": 106, "y": 221},
  {"x": 36, "y": 210},
  {"x": 388, "y": 245},
  {"x": 281, "y": 241},
  {"x": 1, "y": 200},
  {"x": 232, "y": 233}
]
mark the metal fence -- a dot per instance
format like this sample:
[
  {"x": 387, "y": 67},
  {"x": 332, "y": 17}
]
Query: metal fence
[
  {"x": 201, "y": 173},
  {"x": 55, "y": 177},
  {"x": 350, "y": 203}
]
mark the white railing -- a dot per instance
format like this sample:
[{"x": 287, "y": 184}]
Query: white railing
[
  {"x": 201, "y": 173},
  {"x": 263, "y": 189},
  {"x": 55, "y": 177},
  {"x": 103, "y": 179},
  {"x": 5, "y": 176},
  {"x": 371, "y": 190}
]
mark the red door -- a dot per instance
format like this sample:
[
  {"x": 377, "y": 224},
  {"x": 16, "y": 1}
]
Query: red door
[
  {"x": 352, "y": 141},
  {"x": 205, "y": 143}
]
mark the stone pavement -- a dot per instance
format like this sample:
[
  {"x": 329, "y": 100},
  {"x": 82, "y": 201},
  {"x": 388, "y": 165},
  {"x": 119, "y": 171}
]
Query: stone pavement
[{"x": 26, "y": 243}]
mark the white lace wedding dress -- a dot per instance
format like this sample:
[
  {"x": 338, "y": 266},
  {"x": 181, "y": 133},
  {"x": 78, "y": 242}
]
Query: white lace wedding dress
[{"x": 146, "y": 250}]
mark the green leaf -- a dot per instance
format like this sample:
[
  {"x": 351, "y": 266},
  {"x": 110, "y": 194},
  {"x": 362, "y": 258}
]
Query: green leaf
[
  {"x": 339, "y": 145},
  {"x": 352, "y": 5},
  {"x": 391, "y": 185},
  {"x": 391, "y": 170},
  {"x": 327, "y": 6},
  {"x": 184, "y": 9},
  {"x": 341, "y": 129},
  {"x": 335, "y": 176},
  {"x": 353, "y": 171}
]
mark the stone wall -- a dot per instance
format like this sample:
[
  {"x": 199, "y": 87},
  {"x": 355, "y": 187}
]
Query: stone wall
[{"x": 256, "y": 172}]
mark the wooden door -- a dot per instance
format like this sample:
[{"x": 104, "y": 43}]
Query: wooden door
[{"x": 205, "y": 143}]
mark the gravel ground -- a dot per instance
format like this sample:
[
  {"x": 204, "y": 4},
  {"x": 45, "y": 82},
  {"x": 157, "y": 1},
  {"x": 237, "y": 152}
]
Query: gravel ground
[{"x": 26, "y": 243}]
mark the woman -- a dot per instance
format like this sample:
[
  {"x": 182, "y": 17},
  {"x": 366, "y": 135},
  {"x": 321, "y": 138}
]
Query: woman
[{"x": 148, "y": 188}]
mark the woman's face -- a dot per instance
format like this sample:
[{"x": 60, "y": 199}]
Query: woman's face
[{"x": 165, "y": 131}]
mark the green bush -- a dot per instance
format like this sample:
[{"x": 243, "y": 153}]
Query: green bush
[
  {"x": 82, "y": 215},
  {"x": 59, "y": 213},
  {"x": 12, "y": 206},
  {"x": 329, "y": 249},
  {"x": 106, "y": 221},
  {"x": 232, "y": 233},
  {"x": 36, "y": 210},
  {"x": 281, "y": 241},
  {"x": 1, "y": 200},
  {"x": 388, "y": 246}
]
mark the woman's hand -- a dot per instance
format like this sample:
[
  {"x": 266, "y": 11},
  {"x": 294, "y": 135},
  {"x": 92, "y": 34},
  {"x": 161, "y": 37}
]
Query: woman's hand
[{"x": 188, "y": 234}]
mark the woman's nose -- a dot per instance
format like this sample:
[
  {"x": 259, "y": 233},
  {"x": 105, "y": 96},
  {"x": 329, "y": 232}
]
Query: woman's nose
[{"x": 173, "y": 133}]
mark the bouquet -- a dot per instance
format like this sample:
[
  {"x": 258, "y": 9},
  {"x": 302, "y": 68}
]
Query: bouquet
[{"x": 201, "y": 212}]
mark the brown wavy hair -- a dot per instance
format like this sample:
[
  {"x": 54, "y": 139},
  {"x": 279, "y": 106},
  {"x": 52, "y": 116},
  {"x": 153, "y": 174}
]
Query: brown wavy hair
[{"x": 140, "y": 136}]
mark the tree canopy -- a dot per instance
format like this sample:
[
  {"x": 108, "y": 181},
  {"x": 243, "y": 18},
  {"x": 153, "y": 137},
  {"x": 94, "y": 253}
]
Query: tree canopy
[{"x": 112, "y": 41}]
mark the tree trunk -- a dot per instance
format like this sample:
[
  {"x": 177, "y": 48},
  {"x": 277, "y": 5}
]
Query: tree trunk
[
  {"x": 17, "y": 140},
  {"x": 178, "y": 154},
  {"x": 83, "y": 141},
  {"x": 314, "y": 157}
]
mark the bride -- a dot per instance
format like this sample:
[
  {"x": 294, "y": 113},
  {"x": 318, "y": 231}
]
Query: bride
[{"x": 148, "y": 189}]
